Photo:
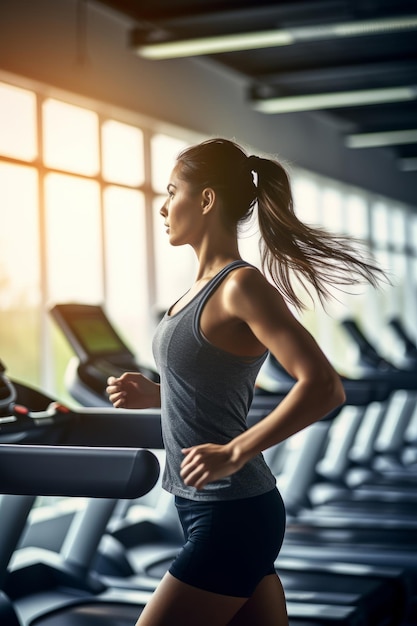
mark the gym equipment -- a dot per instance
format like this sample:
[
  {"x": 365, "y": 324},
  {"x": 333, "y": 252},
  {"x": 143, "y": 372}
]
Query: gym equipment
[
  {"x": 31, "y": 465},
  {"x": 100, "y": 352},
  {"x": 61, "y": 589}
]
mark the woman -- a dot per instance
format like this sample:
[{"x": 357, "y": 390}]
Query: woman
[{"x": 209, "y": 348}]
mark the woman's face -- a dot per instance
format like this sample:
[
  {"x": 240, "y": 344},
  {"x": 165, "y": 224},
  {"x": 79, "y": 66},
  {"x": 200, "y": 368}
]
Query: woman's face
[{"x": 182, "y": 212}]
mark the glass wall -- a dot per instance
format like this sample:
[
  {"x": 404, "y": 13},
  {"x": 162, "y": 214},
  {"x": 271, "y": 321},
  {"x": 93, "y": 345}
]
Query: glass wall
[{"x": 80, "y": 194}]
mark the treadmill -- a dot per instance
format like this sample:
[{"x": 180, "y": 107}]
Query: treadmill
[
  {"x": 61, "y": 589},
  {"x": 38, "y": 585},
  {"x": 99, "y": 349}
]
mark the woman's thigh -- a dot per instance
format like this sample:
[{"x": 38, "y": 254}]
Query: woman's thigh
[
  {"x": 175, "y": 602},
  {"x": 266, "y": 607}
]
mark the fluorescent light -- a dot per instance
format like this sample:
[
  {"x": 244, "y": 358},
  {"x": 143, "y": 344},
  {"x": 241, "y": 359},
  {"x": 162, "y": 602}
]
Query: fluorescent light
[
  {"x": 387, "y": 138},
  {"x": 408, "y": 165},
  {"x": 267, "y": 38},
  {"x": 311, "y": 102},
  {"x": 214, "y": 45}
]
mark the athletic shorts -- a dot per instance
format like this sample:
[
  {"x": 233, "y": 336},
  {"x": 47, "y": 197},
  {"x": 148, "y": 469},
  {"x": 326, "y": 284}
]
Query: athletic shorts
[{"x": 230, "y": 545}]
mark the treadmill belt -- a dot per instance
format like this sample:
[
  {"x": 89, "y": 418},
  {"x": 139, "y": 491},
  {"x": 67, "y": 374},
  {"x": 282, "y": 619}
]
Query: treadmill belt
[{"x": 92, "y": 614}]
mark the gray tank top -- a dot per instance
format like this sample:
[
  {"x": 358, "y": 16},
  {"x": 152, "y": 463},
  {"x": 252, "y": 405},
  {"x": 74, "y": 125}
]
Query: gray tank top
[{"x": 206, "y": 393}]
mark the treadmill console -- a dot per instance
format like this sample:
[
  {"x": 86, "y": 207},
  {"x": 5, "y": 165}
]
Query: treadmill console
[{"x": 100, "y": 352}]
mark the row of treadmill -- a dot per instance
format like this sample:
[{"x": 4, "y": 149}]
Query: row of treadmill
[{"x": 94, "y": 556}]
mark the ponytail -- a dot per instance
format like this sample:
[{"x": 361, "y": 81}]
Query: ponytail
[{"x": 289, "y": 248}]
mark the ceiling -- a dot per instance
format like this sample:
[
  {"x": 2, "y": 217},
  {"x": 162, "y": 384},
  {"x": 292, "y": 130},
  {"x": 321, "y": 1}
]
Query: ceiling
[{"x": 346, "y": 49}]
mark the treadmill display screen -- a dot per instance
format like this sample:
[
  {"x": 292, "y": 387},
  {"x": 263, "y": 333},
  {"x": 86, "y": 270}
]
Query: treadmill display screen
[{"x": 97, "y": 336}]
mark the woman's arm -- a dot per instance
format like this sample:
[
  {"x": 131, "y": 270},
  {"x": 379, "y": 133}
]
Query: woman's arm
[{"x": 318, "y": 389}]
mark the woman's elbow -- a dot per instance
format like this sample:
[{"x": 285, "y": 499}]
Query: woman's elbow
[
  {"x": 337, "y": 391},
  {"x": 332, "y": 392}
]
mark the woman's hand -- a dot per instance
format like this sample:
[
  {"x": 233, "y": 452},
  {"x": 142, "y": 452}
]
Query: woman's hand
[
  {"x": 133, "y": 391},
  {"x": 208, "y": 462}
]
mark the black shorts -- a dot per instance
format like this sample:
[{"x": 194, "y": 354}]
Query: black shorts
[{"x": 231, "y": 545}]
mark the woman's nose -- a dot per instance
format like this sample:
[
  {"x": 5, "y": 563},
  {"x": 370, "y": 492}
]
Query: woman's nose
[{"x": 163, "y": 210}]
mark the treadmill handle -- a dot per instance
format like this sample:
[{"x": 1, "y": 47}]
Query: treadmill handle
[{"x": 99, "y": 472}]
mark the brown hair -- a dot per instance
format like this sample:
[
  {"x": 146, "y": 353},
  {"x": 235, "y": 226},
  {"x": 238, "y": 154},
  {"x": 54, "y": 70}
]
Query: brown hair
[{"x": 289, "y": 248}]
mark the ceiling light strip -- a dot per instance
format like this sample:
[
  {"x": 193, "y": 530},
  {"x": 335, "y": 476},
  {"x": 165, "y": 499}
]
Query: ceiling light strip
[
  {"x": 386, "y": 138},
  {"x": 311, "y": 102},
  {"x": 272, "y": 38},
  {"x": 215, "y": 45}
]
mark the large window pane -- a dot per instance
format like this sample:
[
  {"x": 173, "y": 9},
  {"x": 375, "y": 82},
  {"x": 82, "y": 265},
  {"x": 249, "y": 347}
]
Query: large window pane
[
  {"x": 126, "y": 284},
  {"x": 332, "y": 210},
  {"x": 18, "y": 137},
  {"x": 74, "y": 250},
  {"x": 19, "y": 272},
  {"x": 412, "y": 232},
  {"x": 122, "y": 147},
  {"x": 356, "y": 215},
  {"x": 380, "y": 224},
  {"x": 398, "y": 227},
  {"x": 164, "y": 151},
  {"x": 70, "y": 138},
  {"x": 306, "y": 200}
]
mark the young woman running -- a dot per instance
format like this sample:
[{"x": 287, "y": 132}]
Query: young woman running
[{"x": 209, "y": 348}]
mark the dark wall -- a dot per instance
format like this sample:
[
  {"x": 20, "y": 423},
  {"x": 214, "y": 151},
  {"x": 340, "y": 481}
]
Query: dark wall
[{"x": 39, "y": 40}]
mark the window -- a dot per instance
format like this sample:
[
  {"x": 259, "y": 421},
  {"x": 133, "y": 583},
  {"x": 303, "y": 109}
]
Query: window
[
  {"x": 73, "y": 243},
  {"x": 126, "y": 270},
  {"x": 164, "y": 150},
  {"x": 80, "y": 194},
  {"x": 20, "y": 288},
  {"x": 18, "y": 132},
  {"x": 122, "y": 146},
  {"x": 70, "y": 138}
]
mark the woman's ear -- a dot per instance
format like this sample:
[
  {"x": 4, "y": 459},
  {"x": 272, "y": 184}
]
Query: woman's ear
[{"x": 208, "y": 197}]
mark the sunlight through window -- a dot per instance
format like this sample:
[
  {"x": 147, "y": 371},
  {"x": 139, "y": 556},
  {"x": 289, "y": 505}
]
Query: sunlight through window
[
  {"x": 70, "y": 136},
  {"x": 74, "y": 250},
  {"x": 306, "y": 200},
  {"x": 398, "y": 227},
  {"x": 19, "y": 237},
  {"x": 18, "y": 136},
  {"x": 20, "y": 293},
  {"x": 380, "y": 225},
  {"x": 356, "y": 215},
  {"x": 125, "y": 249},
  {"x": 412, "y": 232},
  {"x": 332, "y": 210},
  {"x": 164, "y": 152},
  {"x": 122, "y": 147}
]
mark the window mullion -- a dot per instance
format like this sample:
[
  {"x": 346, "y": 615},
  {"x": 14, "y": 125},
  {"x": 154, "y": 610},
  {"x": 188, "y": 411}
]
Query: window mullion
[
  {"x": 149, "y": 221},
  {"x": 46, "y": 364}
]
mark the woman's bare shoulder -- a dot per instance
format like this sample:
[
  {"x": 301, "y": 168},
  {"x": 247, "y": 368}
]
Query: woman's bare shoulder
[{"x": 247, "y": 291}]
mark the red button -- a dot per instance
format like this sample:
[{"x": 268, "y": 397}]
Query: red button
[{"x": 20, "y": 409}]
